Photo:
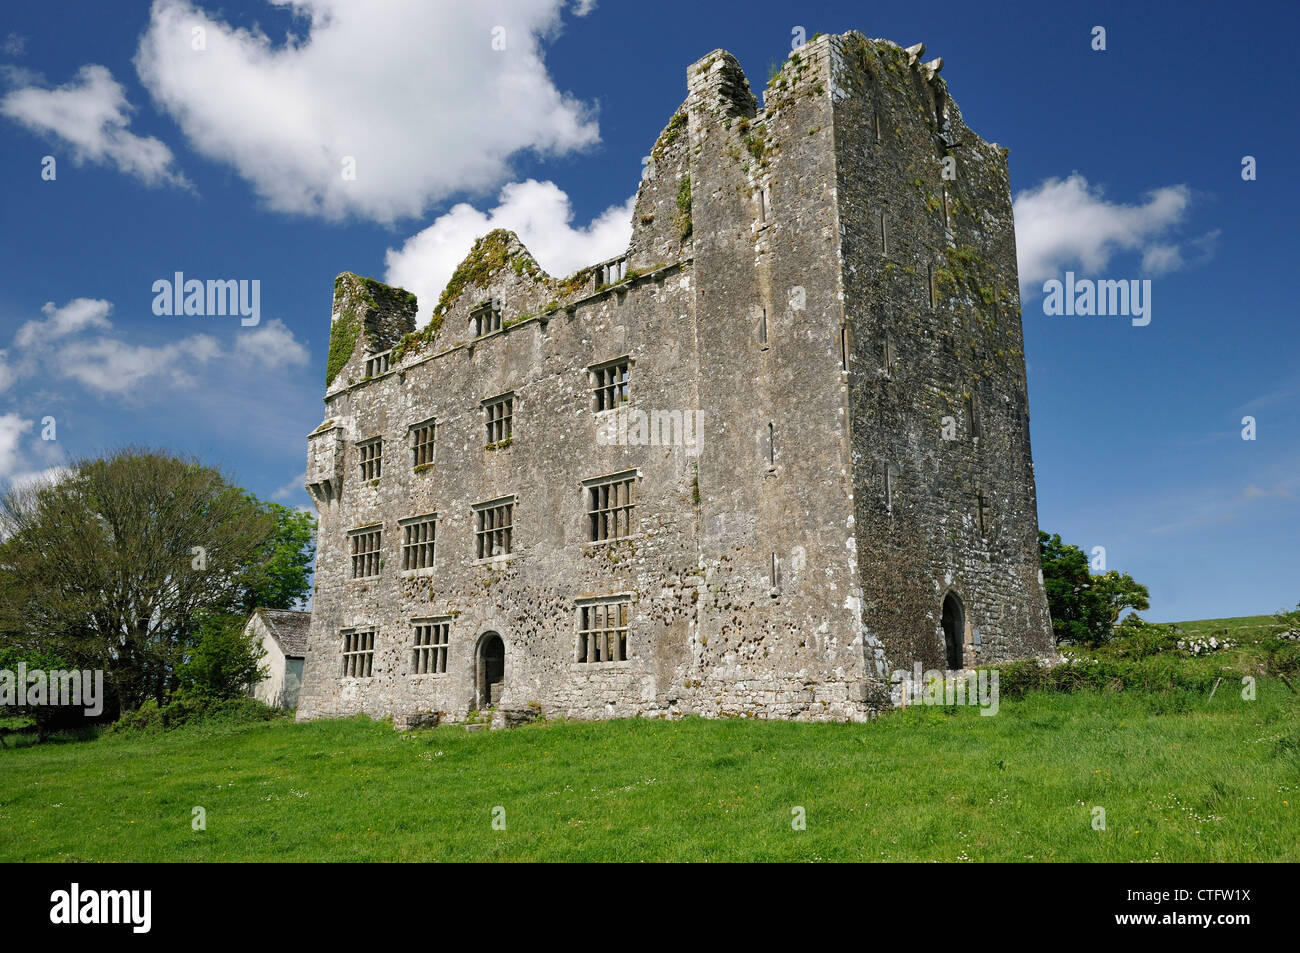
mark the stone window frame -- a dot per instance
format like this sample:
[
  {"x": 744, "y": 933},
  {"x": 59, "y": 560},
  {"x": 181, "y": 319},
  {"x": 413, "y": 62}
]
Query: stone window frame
[
  {"x": 593, "y": 486},
  {"x": 430, "y": 646},
  {"x": 429, "y": 446},
  {"x": 370, "y": 458},
  {"x": 491, "y": 310},
  {"x": 357, "y": 651},
  {"x": 416, "y": 547},
  {"x": 611, "y": 272},
  {"x": 377, "y": 364},
  {"x": 608, "y": 390},
  {"x": 499, "y": 420},
  {"x": 367, "y": 558},
  {"x": 591, "y": 623},
  {"x": 503, "y": 526}
]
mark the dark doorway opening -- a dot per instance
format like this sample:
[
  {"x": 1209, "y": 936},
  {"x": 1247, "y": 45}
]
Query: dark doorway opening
[
  {"x": 490, "y": 674},
  {"x": 954, "y": 631}
]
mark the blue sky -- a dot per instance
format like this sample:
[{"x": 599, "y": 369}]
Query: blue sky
[{"x": 220, "y": 162}]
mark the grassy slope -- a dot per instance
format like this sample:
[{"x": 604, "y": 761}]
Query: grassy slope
[
  {"x": 1241, "y": 627},
  {"x": 1180, "y": 778}
]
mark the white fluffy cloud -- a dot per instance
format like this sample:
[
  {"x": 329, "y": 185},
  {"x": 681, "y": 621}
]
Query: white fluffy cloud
[
  {"x": 12, "y": 429},
  {"x": 416, "y": 93},
  {"x": 77, "y": 341},
  {"x": 1066, "y": 223},
  {"x": 91, "y": 114},
  {"x": 77, "y": 315},
  {"x": 21, "y": 467},
  {"x": 271, "y": 345},
  {"x": 112, "y": 366},
  {"x": 539, "y": 212}
]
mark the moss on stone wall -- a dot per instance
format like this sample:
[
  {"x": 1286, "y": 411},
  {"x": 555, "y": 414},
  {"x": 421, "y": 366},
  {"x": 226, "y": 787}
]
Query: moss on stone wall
[
  {"x": 357, "y": 299},
  {"x": 488, "y": 256},
  {"x": 353, "y": 297},
  {"x": 574, "y": 283},
  {"x": 684, "y": 206},
  {"x": 671, "y": 132}
]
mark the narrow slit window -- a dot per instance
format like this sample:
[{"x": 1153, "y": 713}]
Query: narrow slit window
[
  {"x": 982, "y": 513},
  {"x": 844, "y": 348},
  {"x": 877, "y": 125},
  {"x": 771, "y": 445},
  {"x": 889, "y": 489},
  {"x": 884, "y": 235},
  {"x": 762, "y": 325},
  {"x": 973, "y": 416}
]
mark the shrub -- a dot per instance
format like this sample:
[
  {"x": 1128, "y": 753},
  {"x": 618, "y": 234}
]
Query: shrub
[
  {"x": 188, "y": 709},
  {"x": 1135, "y": 638},
  {"x": 1153, "y": 673}
]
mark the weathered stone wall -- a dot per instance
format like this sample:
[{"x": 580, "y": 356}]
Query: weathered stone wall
[
  {"x": 765, "y": 574},
  {"x": 964, "y": 346}
]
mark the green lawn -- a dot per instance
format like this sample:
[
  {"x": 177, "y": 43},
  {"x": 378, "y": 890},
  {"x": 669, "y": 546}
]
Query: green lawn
[{"x": 1181, "y": 778}]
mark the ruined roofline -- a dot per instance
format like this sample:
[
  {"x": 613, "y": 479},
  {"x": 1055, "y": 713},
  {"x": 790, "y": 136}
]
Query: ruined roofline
[
  {"x": 717, "y": 84},
  {"x": 622, "y": 286}
]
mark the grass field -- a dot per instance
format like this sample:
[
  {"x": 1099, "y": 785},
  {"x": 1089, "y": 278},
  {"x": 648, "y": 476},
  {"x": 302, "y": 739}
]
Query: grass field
[
  {"x": 1236, "y": 629},
  {"x": 1180, "y": 777}
]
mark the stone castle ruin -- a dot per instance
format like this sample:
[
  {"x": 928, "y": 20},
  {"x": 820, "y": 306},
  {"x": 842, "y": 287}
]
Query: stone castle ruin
[{"x": 775, "y": 452}]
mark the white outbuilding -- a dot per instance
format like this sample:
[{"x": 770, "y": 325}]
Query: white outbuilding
[{"x": 282, "y": 634}]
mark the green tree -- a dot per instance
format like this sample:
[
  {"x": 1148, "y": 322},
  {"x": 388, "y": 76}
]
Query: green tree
[
  {"x": 286, "y": 559},
  {"x": 117, "y": 564},
  {"x": 1084, "y": 607},
  {"x": 223, "y": 660}
]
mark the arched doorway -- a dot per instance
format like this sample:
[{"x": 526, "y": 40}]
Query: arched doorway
[
  {"x": 489, "y": 670},
  {"x": 954, "y": 631}
]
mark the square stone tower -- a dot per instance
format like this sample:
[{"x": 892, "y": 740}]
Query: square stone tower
[{"x": 775, "y": 452}]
